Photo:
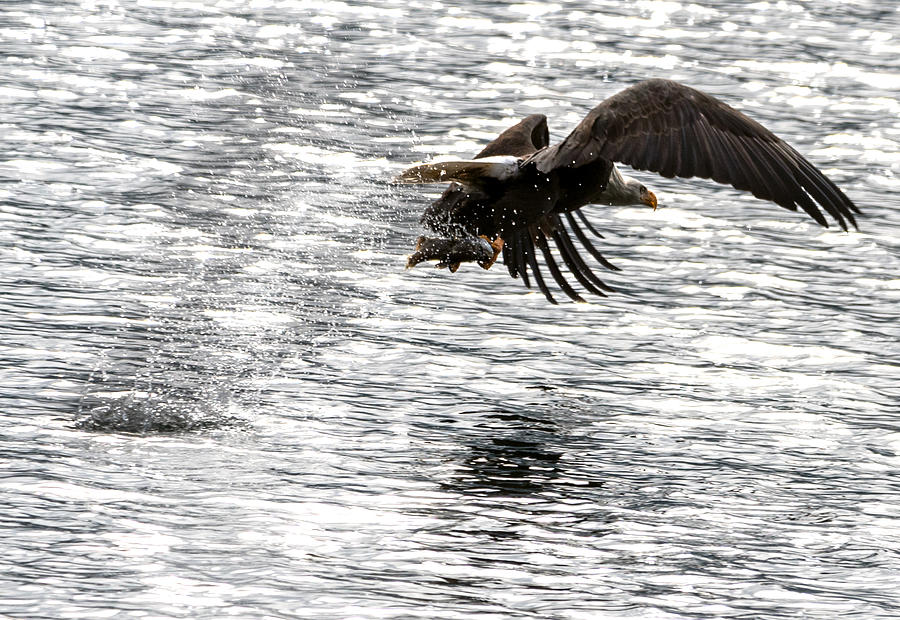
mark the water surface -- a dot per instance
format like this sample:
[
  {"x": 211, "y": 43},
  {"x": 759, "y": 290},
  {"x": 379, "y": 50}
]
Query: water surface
[{"x": 223, "y": 396}]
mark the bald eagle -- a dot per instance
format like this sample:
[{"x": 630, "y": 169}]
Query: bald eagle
[{"x": 519, "y": 193}]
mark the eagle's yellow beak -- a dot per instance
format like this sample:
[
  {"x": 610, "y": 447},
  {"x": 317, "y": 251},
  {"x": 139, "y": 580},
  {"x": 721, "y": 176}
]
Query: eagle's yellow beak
[{"x": 649, "y": 199}]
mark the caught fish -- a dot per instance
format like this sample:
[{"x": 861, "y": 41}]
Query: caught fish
[{"x": 452, "y": 252}]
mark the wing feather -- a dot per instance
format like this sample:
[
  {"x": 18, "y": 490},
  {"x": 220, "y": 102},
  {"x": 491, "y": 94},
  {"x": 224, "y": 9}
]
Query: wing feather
[
  {"x": 688, "y": 161},
  {"x": 473, "y": 172},
  {"x": 723, "y": 168},
  {"x": 541, "y": 242},
  {"x": 588, "y": 225},
  {"x": 703, "y": 165},
  {"x": 514, "y": 257},
  {"x": 797, "y": 196},
  {"x": 528, "y": 247},
  {"x": 576, "y": 264},
  {"x": 588, "y": 245},
  {"x": 523, "y": 138},
  {"x": 823, "y": 190},
  {"x": 671, "y": 156},
  {"x": 507, "y": 254},
  {"x": 649, "y": 154},
  {"x": 780, "y": 186},
  {"x": 521, "y": 262},
  {"x": 741, "y": 168}
]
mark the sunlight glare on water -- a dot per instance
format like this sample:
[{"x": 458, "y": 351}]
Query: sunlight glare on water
[{"x": 225, "y": 397}]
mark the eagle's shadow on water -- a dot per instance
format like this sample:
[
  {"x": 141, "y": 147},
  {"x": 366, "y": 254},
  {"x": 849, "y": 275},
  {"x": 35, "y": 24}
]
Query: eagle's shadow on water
[
  {"x": 513, "y": 466},
  {"x": 514, "y": 452}
]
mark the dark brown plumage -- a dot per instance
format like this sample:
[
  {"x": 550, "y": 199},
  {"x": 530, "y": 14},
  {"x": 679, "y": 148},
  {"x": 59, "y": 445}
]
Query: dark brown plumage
[{"x": 534, "y": 197}]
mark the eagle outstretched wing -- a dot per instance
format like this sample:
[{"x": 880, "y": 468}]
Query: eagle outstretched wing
[{"x": 666, "y": 127}]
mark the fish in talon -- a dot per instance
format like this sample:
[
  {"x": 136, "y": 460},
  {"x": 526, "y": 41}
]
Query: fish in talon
[{"x": 451, "y": 252}]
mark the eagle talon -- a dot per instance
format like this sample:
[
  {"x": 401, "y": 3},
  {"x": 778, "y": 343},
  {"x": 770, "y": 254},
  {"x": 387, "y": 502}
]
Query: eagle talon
[{"x": 496, "y": 246}]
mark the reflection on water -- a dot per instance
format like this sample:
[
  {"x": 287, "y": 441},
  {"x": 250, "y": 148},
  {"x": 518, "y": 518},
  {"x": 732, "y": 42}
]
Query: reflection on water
[{"x": 225, "y": 397}]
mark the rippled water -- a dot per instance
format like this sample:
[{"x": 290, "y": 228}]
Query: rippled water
[{"x": 223, "y": 396}]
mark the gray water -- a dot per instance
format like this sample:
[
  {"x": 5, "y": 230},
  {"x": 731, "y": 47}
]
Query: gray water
[{"x": 223, "y": 396}]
